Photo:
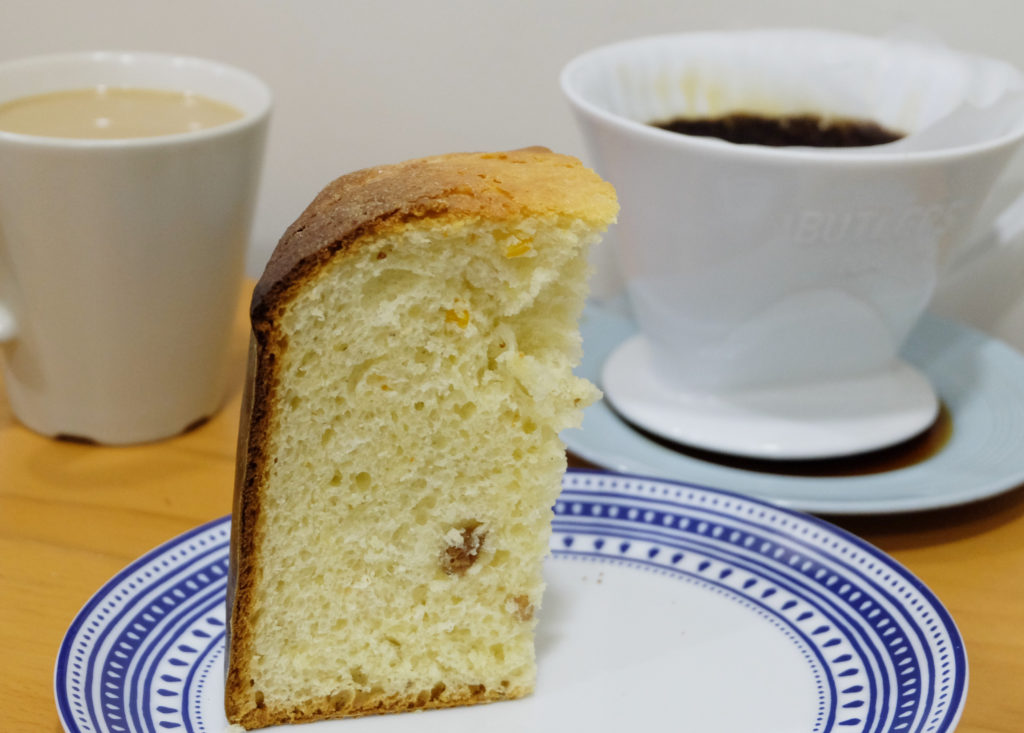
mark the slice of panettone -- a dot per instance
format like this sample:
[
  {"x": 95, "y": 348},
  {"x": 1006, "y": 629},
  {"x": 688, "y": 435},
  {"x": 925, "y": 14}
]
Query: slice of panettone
[{"x": 414, "y": 336}]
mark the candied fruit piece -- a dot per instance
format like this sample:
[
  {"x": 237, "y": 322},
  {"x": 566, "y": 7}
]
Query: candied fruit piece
[
  {"x": 518, "y": 249},
  {"x": 459, "y": 318}
]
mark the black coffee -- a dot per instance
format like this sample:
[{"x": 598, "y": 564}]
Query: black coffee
[{"x": 808, "y": 130}]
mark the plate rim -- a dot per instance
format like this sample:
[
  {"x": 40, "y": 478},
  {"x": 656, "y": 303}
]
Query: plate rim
[
  {"x": 97, "y": 597},
  {"x": 958, "y": 648}
]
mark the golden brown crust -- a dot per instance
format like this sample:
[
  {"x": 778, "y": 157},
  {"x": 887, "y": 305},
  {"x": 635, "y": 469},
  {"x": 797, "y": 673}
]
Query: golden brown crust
[
  {"x": 485, "y": 185},
  {"x": 369, "y": 704},
  {"x": 464, "y": 185},
  {"x": 249, "y": 459}
]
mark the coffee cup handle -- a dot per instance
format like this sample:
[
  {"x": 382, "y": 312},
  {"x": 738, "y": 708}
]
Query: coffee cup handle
[
  {"x": 1009, "y": 225},
  {"x": 980, "y": 284},
  {"x": 1005, "y": 229}
]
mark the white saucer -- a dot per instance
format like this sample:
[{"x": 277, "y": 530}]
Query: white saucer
[
  {"x": 813, "y": 421},
  {"x": 979, "y": 380}
]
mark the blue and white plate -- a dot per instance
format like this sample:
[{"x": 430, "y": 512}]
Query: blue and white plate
[
  {"x": 669, "y": 607},
  {"x": 979, "y": 380}
]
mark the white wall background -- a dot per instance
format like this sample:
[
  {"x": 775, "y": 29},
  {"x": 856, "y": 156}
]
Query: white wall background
[{"x": 363, "y": 82}]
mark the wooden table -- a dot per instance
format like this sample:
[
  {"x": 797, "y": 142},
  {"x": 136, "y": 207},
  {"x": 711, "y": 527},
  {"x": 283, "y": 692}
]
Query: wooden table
[{"x": 71, "y": 516}]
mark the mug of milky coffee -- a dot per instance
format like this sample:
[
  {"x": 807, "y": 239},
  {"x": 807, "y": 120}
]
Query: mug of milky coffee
[
  {"x": 127, "y": 188},
  {"x": 789, "y": 201}
]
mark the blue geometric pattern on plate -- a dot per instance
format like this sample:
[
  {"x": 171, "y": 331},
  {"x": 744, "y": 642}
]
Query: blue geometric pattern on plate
[
  {"x": 892, "y": 657},
  {"x": 883, "y": 653},
  {"x": 132, "y": 658}
]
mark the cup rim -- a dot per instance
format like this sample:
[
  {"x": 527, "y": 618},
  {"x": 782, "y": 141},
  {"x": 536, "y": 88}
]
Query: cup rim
[
  {"x": 875, "y": 155},
  {"x": 256, "y": 116}
]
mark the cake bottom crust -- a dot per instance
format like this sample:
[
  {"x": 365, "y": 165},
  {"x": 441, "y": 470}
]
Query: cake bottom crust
[{"x": 348, "y": 705}]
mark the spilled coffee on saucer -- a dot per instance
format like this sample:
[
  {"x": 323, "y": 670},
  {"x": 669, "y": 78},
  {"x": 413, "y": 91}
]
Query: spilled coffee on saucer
[{"x": 808, "y": 130}]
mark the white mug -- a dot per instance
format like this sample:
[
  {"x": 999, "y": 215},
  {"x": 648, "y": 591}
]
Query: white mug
[
  {"x": 759, "y": 275},
  {"x": 122, "y": 261}
]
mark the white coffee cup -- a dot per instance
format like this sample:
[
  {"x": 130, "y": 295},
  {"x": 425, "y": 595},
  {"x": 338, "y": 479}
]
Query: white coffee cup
[
  {"x": 774, "y": 287},
  {"x": 121, "y": 261}
]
